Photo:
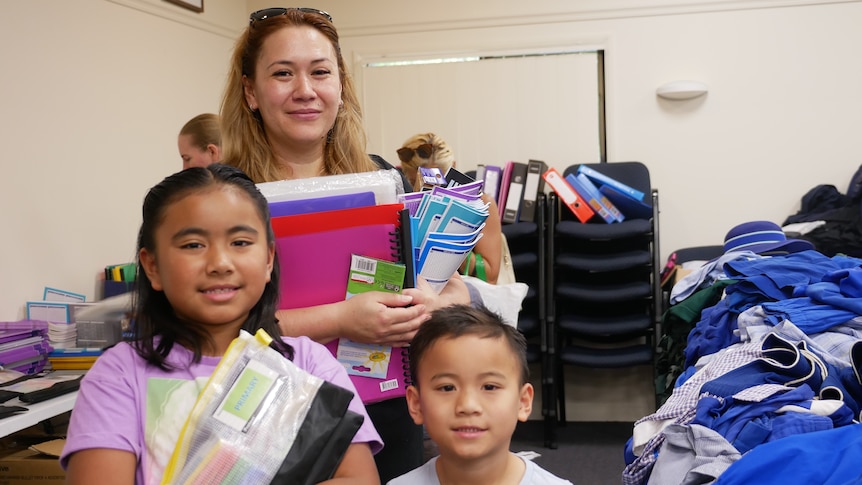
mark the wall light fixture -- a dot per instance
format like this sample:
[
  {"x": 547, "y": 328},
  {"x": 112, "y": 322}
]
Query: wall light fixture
[{"x": 681, "y": 90}]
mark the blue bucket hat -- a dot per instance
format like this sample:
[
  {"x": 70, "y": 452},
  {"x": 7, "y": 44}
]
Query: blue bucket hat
[{"x": 762, "y": 237}]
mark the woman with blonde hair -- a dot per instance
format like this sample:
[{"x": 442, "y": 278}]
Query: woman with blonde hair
[
  {"x": 321, "y": 133},
  {"x": 428, "y": 150},
  {"x": 290, "y": 111},
  {"x": 199, "y": 141}
]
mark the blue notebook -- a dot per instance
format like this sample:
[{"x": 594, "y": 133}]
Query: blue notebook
[{"x": 631, "y": 208}]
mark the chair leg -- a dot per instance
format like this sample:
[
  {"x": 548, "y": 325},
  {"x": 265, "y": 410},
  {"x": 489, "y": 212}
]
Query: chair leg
[
  {"x": 561, "y": 393},
  {"x": 549, "y": 407},
  {"x": 550, "y": 433},
  {"x": 549, "y": 400}
]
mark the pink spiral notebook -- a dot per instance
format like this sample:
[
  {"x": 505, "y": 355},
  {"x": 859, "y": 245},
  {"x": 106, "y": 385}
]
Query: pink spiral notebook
[{"x": 314, "y": 252}]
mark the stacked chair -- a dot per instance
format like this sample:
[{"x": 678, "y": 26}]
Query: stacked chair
[
  {"x": 594, "y": 298},
  {"x": 527, "y": 247},
  {"x": 604, "y": 296}
]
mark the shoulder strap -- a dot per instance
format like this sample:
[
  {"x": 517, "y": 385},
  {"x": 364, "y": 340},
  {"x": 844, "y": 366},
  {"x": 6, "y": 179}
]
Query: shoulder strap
[{"x": 384, "y": 165}]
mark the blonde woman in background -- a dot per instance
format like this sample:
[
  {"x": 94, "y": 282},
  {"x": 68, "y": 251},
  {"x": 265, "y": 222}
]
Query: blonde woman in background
[
  {"x": 430, "y": 151},
  {"x": 199, "y": 141}
]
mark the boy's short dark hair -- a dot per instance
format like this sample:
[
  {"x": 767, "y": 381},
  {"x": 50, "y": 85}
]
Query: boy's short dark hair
[{"x": 458, "y": 320}]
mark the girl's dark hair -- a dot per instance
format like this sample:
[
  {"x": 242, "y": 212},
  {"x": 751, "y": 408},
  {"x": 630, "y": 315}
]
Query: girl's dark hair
[
  {"x": 153, "y": 314},
  {"x": 458, "y": 320}
]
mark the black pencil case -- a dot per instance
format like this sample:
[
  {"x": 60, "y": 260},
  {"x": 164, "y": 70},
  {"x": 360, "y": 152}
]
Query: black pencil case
[
  {"x": 6, "y": 411},
  {"x": 58, "y": 389}
]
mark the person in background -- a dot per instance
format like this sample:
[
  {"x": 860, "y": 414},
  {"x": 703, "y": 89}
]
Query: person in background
[
  {"x": 290, "y": 111},
  {"x": 430, "y": 151},
  {"x": 199, "y": 141},
  {"x": 206, "y": 270}
]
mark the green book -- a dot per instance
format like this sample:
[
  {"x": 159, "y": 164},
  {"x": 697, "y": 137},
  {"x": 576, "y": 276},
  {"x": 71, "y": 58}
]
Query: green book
[{"x": 369, "y": 274}]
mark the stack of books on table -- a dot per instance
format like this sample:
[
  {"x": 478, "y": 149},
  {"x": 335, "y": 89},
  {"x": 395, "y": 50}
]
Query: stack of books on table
[
  {"x": 24, "y": 346},
  {"x": 74, "y": 358},
  {"x": 62, "y": 335}
]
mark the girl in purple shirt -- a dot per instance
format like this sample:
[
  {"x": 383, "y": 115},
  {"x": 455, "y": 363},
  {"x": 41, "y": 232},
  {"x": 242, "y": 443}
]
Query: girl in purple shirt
[{"x": 206, "y": 270}]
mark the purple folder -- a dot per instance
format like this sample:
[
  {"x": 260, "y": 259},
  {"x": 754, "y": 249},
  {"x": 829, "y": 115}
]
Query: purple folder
[
  {"x": 11, "y": 356},
  {"x": 13, "y": 335},
  {"x": 320, "y": 204},
  {"x": 23, "y": 328}
]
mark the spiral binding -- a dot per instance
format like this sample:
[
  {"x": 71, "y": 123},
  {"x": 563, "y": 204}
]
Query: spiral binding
[
  {"x": 395, "y": 245},
  {"x": 397, "y": 248},
  {"x": 405, "y": 366}
]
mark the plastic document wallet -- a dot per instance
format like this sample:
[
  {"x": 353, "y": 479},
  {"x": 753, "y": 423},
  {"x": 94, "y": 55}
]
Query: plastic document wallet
[{"x": 261, "y": 419}]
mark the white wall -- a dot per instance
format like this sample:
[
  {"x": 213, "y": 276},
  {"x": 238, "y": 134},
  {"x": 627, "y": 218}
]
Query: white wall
[
  {"x": 779, "y": 117},
  {"x": 93, "y": 94},
  {"x": 558, "y": 120}
]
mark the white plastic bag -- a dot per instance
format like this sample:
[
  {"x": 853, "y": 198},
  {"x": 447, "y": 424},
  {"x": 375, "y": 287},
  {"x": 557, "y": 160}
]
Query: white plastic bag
[{"x": 504, "y": 300}]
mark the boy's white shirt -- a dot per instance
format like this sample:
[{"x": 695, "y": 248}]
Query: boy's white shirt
[{"x": 427, "y": 475}]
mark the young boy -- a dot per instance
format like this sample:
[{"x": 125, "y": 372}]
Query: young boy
[{"x": 469, "y": 390}]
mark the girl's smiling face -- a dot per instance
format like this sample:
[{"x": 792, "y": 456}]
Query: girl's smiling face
[{"x": 211, "y": 258}]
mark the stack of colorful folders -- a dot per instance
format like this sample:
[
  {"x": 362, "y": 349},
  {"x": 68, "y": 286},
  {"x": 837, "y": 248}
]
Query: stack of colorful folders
[
  {"x": 320, "y": 224},
  {"x": 24, "y": 346},
  {"x": 447, "y": 223}
]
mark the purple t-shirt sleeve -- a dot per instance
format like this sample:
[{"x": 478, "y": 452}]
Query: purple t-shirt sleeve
[
  {"x": 108, "y": 409},
  {"x": 317, "y": 360}
]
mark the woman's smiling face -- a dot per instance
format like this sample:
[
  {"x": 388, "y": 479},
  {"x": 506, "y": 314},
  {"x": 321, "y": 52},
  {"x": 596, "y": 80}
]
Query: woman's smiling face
[{"x": 296, "y": 86}]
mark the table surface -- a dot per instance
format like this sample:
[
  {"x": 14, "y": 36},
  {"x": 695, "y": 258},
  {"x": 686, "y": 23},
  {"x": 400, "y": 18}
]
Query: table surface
[{"x": 36, "y": 413}]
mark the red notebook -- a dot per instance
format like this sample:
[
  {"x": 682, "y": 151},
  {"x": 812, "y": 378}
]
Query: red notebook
[{"x": 314, "y": 252}]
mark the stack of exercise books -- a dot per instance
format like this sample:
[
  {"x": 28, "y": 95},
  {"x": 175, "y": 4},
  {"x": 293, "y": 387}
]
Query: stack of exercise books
[
  {"x": 24, "y": 346},
  {"x": 446, "y": 223},
  {"x": 62, "y": 335},
  {"x": 321, "y": 225}
]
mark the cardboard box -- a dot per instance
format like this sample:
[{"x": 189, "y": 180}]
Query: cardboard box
[{"x": 36, "y": 465}]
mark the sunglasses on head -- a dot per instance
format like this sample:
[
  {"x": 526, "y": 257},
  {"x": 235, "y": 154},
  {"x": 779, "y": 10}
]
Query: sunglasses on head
[
  {"x": 424, "y": 151},
  {"x": 276, "y": 11}
]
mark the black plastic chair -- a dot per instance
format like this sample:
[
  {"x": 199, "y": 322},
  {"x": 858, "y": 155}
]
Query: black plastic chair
[
  {"x": 603, "y": 286},
  {"x": 527, "y": 247},
  {"x": 698, "y": 253}
]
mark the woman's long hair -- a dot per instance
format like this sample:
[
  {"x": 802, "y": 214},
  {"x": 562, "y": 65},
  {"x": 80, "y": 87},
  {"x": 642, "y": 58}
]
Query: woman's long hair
[{"x": 246, "y": 144}]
